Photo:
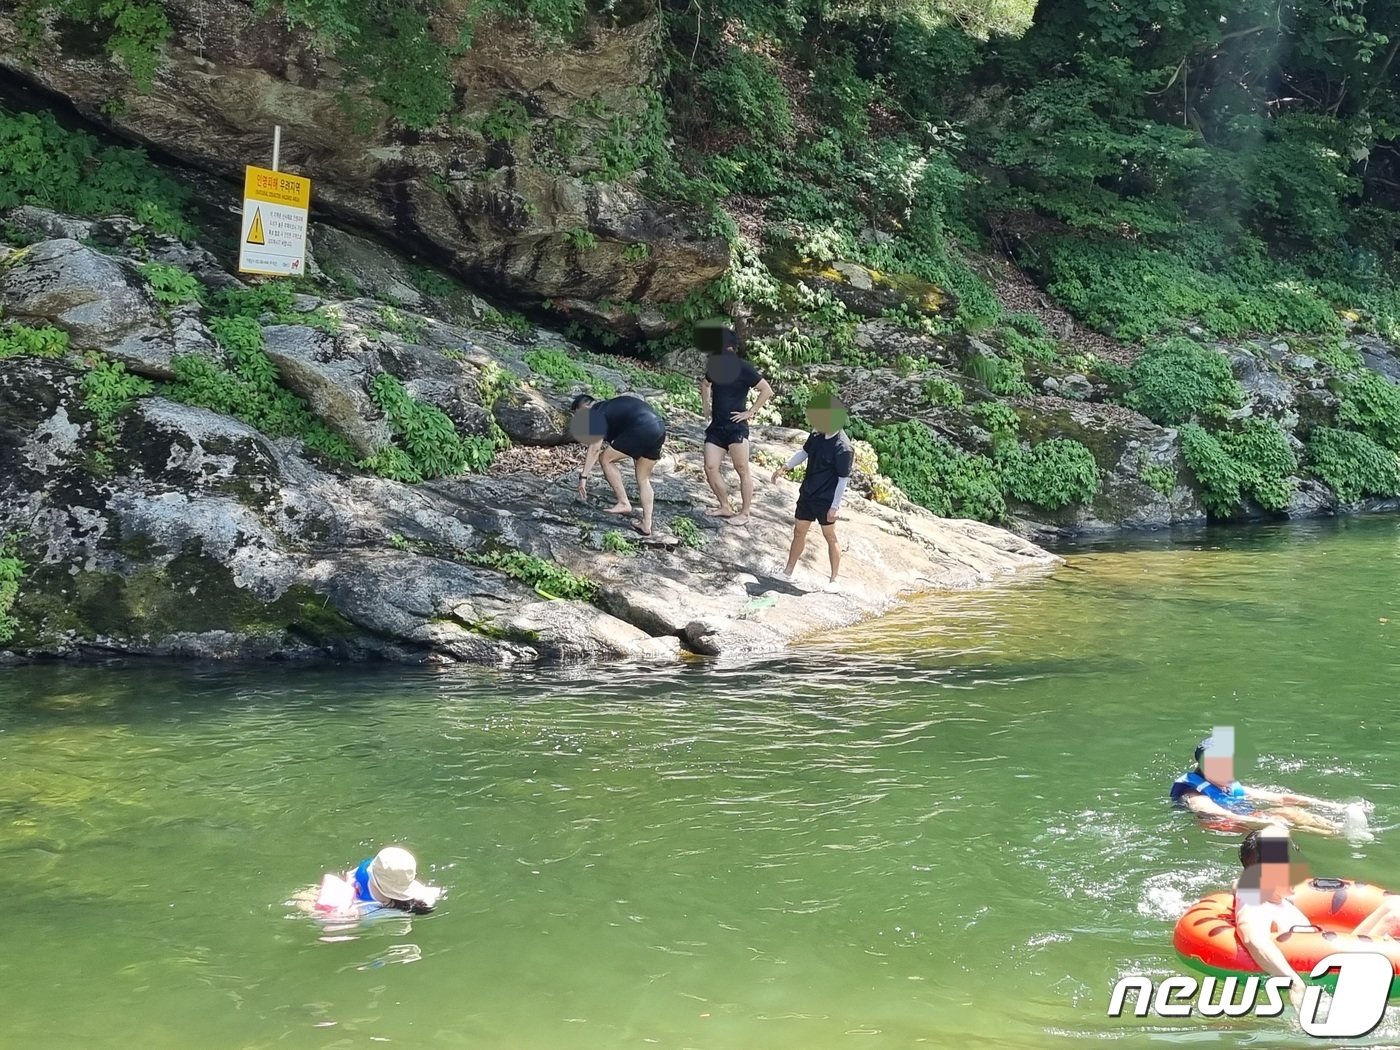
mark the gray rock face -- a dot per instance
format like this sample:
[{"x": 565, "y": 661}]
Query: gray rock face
[
  {"x": 1311, "y": 499},
  {"x": 335, "y": 384},
  {"x": 98, "y": 300},
  {"x": 45, "y": 225},
  {"x": 1268, "y": 394},
  {"x": 503, "y": 215},
  {"x": 1379, "y": 356},
  {"x": 199, "y": 536},
  {"x": 529, "y": 419},
  {"x": 368, "y": 267},
  {"x": 1132, "y": 453}
]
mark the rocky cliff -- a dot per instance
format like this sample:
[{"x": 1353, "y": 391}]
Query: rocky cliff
[
  {"x": 146, "y": 521},
  {"x": 526, "y": 183}
]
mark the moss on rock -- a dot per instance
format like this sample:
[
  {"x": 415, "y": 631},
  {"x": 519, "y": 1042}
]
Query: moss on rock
[{"x": 191, "y": 594}]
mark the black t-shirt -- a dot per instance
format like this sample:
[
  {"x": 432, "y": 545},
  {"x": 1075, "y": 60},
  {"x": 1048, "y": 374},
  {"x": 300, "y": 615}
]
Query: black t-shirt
[
  {"x": 828, "y": 460},
  {"x": 617, "y": 415},
  {"x": 731, "y": 378}
]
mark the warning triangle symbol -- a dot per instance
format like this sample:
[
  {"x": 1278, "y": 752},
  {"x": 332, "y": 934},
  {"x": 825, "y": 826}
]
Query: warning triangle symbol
[{"x": 255, "y": 233}]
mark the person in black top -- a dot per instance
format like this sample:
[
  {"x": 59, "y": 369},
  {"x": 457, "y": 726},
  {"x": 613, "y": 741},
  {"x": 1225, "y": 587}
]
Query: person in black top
[
  {"x": 725, "y": 394},
  {"x": 631, "y": 428},
  {"x": 829, "y": 456}
]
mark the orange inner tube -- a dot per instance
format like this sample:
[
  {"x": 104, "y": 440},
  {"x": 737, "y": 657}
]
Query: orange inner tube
[{"x": 1206, "y": 937}]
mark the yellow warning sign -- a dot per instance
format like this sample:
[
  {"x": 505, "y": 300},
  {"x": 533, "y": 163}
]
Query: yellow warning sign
[
  {"x": 275, "y": 213},
  {"x": 276, "y": 187}
]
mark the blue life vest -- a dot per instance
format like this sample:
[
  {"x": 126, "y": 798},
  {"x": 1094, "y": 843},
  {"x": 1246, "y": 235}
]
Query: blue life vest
[
  {"x": 1232, "y": 798},
  {"x": 362, "y": 892}
]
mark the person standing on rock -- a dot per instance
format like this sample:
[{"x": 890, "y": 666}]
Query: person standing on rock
[
  {"x": 725, "y": 394},
  {"x": 630, "y": 428},
  {"x": 829, "y": 456}
]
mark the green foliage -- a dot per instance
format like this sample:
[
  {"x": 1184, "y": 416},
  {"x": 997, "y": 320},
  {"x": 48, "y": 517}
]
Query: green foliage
[
  {"x": 745, "y": 95},
  {"x": 394, "y": 48},
  {"x": 1032, "y": 347},
  {"x": 1178, "y": 379},
  {"x": 133, "y": 31},
  {"x": 636, "y": 252},
  {"x": 170, "y": 285},
  {"x": 432, "y": 283},
  {"x": 250, "y": 390},
  {"x": 1134, "y": 291},
  {"x": 507, "y": 122},
  {"x": 562, "y": 370},
  {"x": 580, "y": 239},
  {"x": 545, "y": 576},
  {"x": 19, "y": 340},
  {"x": 614, "y": 542},
  {"x": 688, "y": 532},
  {"x": 1339, "y": 354},
  {"x": 1052, "y": 474},
  {"x": 940, "y": 391},
  {"x": 11, "y": 575},
  {"x": 1001, "y": 421},
  {"x": 429, "y": 441},
  {"x": 933, "y": 473},
  {"x": 554, "y": 18},
  {"x": 1003, "y": 377},
  {"x": 108, "y": 391},
  {"x": 678, "y": 391},
  {"x": 1160, "y": 479},
  {"x": 407, "y": 327},
  {"x": 46, "y": 165},
  {"x": 1254, "y": 461},
  {"x": 1371, "y": 404},
  {"x": 1352, "y": 464}
]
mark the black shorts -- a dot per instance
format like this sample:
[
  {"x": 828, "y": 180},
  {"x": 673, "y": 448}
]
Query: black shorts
[
  {"x": 726, "y": 434},
  {"x": 813, "y": 510},
  {"x": 643, "y": 441}
]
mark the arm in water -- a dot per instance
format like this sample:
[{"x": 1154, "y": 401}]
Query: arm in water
[{"x": 1204, "y": 807}]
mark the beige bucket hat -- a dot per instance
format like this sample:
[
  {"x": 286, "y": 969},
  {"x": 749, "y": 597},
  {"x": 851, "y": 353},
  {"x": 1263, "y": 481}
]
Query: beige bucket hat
[{"x": 394, "y": 874}]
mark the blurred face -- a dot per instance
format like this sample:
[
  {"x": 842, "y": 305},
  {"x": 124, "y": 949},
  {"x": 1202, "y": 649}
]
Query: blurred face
[
  {"x": 1218, "y": 769},
  {"x": 1276, "y": 868},
  {"x": 826, "y": 414},
  {"x": 580, "y": 426}
]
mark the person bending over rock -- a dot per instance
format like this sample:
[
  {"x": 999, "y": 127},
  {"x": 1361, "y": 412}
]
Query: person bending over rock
[
  {"x": 630, "y": 428},
  {"x": 829, "y": 456},
  {"x": 725, "y": 394}
]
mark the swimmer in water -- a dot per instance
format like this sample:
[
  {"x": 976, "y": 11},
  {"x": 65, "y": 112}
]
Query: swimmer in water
[
  {"x": 1264, "y": 905},
  {"x": 1211, "y": 791},
  {"x": 389, "y": 879}
]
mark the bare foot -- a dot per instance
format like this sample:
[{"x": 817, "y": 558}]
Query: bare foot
[
  {"x": 643, "y": 527},
  {"x": 738, "y": 519},
  {"x": 719, "y": 512},
  {"x": 619, "y": 508}
]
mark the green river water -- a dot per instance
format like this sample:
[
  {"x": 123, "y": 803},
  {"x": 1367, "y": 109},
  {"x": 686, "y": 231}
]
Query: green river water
[{"x": 944, "y": 829}]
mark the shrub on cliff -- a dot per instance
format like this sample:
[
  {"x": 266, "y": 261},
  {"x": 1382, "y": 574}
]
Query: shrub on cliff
[
  {"x": 935, "y": 474},
  {"x": 1254, "y": 461},
  {"x": 1353, "y": 464},
  {"x": 1052, "y": 474},
  {"x": 1371, "y": 404},
  {"x": 1178, "y": 380}
]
